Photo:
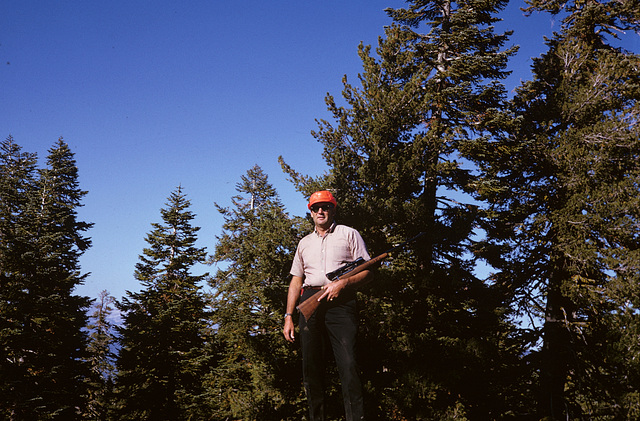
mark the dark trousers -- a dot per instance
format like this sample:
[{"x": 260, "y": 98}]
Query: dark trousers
[{"x": 334, "y": 323}]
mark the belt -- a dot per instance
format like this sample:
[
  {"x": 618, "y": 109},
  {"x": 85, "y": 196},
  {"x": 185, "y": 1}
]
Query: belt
[{"x": 309, "y": 287}]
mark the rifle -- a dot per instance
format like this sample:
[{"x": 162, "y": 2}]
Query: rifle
[{"x": 311, "y": 304}]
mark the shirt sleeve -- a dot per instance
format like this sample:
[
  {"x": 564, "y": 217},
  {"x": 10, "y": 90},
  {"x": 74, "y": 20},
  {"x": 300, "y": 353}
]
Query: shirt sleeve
[
  {"x": 358, "y": 246},
  {"x": 297, "y": 267}
]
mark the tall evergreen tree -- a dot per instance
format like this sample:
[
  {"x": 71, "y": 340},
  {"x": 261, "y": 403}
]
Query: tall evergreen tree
[
  {"x": 564, "y": 188},
  {"x": 17, "y": 185},
  {"x": 44, "y": 367},
  {"x": 101, "y": 350},
  {"x": 399, "y": 164},
  {"x": 161, "y": 362},
  {"x": 258, "y": 376}
]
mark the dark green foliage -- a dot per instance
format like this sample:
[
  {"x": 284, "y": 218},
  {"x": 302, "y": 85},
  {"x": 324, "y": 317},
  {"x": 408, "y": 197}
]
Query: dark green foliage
[
  {"x": 162, "y": 359},
  {"x": 564, "y": 188},
  {"x": 43, "y": 366},
  {"x": 102, "y": 341},
  {"x": 17, "y": 184},
  {"x": 258, "y": 376}
]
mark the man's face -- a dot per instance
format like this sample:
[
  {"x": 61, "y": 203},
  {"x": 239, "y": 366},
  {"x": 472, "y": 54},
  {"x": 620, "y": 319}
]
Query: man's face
[{"x": 323, "y": 213}]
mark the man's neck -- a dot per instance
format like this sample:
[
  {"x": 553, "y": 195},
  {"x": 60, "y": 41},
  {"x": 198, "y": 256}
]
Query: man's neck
[{"x": 322, "y": 230}]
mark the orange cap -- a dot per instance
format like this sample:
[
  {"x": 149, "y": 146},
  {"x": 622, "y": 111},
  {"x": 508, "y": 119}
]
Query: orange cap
[{"x": 322, "y": 196}]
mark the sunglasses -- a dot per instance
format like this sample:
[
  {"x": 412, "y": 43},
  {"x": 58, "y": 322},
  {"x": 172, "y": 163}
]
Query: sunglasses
[{"x": 325, "y": 206}]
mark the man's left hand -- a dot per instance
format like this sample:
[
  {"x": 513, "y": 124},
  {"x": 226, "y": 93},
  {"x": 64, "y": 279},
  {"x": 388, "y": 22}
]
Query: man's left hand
[{"x": 332, "y": 290}]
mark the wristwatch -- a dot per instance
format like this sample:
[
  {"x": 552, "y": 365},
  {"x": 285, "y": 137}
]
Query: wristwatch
[{"x": 288, "y": 315}]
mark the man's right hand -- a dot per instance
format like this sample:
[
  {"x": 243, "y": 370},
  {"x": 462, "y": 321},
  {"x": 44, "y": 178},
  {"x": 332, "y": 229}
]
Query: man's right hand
[
  {"x": 289, "y": 329},
  {"x": 292, "y": 297}
]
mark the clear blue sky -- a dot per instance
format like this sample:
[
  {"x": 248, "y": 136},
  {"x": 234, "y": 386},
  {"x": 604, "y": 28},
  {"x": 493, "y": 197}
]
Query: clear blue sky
[{"x": 155, "y": 94}]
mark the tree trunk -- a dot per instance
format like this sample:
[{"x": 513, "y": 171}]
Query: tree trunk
[{"x": 556, "y": 351}]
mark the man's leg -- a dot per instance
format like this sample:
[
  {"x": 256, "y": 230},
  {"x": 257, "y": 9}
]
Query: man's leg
[
  {"x": 342, "y": 326},
  {"x": 313, "y": 364}
]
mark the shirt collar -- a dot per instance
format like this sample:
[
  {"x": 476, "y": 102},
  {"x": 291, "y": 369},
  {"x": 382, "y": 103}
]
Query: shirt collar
[{"x": 329, "y": 231}]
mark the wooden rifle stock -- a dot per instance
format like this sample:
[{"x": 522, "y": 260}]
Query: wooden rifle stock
[{"x": 311, "y": 304}]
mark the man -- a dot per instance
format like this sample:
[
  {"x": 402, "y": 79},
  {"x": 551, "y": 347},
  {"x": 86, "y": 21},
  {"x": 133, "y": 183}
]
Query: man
[{"x": 322, "y": 251}]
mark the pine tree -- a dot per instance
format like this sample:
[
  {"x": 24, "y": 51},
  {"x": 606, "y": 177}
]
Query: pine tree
[
  {"x": 400, "y": 163},
  {"x": 44, "y": 344},
  {"x": 564, "y": 188},
  {"x": 161, "y": 361},
  {"x": 17, "y": 185},
  {"x": 258, "y": 376},
  {"x": 101, "y": 350}
]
